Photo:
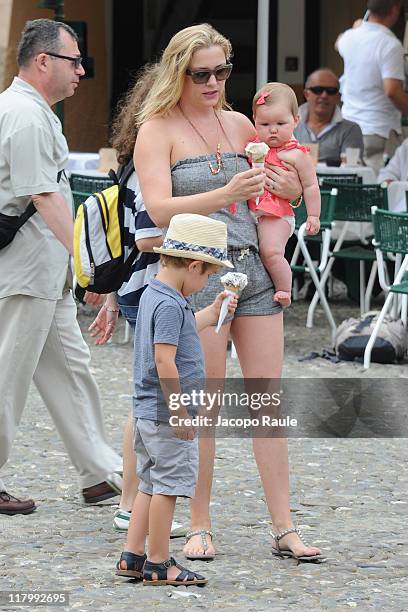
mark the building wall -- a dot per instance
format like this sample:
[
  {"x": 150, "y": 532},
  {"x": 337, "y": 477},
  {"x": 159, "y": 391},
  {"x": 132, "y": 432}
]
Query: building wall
[
  {"x": 336, "y": 17},
  {"x": 87, "y": 112},
  {"x": 291, "y": 42},
  {"x": 5, "y": 12}
]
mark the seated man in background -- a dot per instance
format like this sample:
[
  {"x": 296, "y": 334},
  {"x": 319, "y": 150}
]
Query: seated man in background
[{"x": 321, "y": 120}]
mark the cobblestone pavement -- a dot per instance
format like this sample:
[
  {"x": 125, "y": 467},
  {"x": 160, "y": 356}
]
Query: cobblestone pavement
[{"x": 349, "y": 496}]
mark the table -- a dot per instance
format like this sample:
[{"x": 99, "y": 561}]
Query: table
[
  {"x": 367, "y": 174},
  {"x": 90, "y": 172},
  {"x": 396, "y": 189},
  {"x": 77, "y": 161}
]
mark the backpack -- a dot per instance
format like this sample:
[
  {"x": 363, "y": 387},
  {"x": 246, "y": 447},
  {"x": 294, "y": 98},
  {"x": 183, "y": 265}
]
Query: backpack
[
  {"x": 101, "y": 259},
  {"x": 353, "y": 334}
]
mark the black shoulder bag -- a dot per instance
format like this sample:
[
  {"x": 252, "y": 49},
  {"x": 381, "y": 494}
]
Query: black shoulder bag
[{"x": 10, "y": 224}]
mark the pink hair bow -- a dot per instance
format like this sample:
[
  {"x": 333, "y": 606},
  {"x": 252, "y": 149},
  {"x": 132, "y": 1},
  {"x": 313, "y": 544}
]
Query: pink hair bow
[{"x": 262, "y": 97}]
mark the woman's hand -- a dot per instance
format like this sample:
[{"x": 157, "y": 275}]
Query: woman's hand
[
  {"x": 104, "y": 324},
  {"x": 94, "y": 299},
  {"x": 283, "y": 182},
  {"x": 246, "y": 185}
]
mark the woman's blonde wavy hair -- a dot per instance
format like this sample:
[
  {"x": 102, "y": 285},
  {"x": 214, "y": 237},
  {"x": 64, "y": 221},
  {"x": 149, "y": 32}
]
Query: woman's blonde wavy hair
[
  {"x": 168, "y": 86},
  {"x": 124, "y": 128}
]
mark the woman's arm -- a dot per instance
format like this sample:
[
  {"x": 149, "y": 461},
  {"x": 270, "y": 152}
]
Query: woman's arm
[
  {"x": 152, "y": 162},
  {"x": 145, "y": 245}
]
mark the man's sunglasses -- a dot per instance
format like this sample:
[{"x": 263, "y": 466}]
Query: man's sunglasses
[
  {"x": 203, "y": 76},
  {"x": 77, "y": 61},
  {"x": 319, "y": 89}
]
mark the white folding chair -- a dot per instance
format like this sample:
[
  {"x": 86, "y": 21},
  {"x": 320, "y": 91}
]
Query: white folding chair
[{"x": 328, "y": 199}]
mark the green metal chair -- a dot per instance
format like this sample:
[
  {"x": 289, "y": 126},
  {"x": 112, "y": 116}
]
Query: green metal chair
[
  {"x": 390, "y": 236},
  {"x": 328, "y": 205},
  {"x": 353, "y": 204},
  {"x": 84, "y": 185}
]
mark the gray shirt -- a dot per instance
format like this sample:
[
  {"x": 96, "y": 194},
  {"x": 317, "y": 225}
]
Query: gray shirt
[
  {"x": 334, "y": 138},
  {"x": 164, "y": 317},
  {"x": 33, "y": 150}
]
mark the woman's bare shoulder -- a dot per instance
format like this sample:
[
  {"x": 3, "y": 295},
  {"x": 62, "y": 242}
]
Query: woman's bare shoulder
[
  {"x": 155, "y": 125},
  {"x": 238, "y": 119},
  {"x": 240, "y": 127}
]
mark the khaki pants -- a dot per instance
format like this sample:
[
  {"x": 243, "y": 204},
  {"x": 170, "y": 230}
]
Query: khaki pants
[
  {"x": 40, "y": 341},
  {"x": 375, "y": 147}
]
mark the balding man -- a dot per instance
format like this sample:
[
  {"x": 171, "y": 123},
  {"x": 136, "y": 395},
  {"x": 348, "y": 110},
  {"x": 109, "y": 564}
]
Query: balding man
[{"x": 321, "y": 120}]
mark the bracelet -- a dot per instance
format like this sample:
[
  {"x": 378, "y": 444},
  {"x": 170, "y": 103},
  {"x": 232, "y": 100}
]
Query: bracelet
[
  {"x": 109, "y": 309},
  {"x": 296, "y": 203}
]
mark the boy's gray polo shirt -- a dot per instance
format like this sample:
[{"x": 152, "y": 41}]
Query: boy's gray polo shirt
[{"x": 164, "y": 317}]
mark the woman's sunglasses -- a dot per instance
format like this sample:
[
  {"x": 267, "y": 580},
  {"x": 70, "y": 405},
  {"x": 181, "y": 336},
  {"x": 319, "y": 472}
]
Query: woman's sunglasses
[
  {"x": 318, "y": 89},
  {"x": 203, "y": 76}
]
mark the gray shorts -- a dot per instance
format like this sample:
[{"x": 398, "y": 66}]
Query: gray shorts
[
  {"x": 257, "y": 297},
  {"x": 166, "y": 465}
]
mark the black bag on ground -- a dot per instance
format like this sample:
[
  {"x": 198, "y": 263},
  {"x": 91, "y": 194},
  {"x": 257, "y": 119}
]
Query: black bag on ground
[
  {"x": 352, "y": 337},
  {"x": 10, "y": 224}
]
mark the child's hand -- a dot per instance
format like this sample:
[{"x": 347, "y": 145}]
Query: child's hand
[
  {"x": 312, "y": 225},
  {"x": 216, "y": 305}
]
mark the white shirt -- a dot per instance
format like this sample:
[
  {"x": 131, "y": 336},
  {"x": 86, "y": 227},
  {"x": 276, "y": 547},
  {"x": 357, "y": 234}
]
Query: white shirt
[
  {"x": 33, "y": 150},
  {"x": 397, "y": 167},
  {"x": 371, "y": 53}
]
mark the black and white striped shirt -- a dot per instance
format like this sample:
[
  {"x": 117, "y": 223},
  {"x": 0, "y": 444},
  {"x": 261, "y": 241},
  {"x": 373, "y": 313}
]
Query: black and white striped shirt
[{"x": 138, "y": 225}]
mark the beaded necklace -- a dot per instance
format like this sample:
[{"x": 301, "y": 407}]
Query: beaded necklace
[{"x": 218, "y": 156}]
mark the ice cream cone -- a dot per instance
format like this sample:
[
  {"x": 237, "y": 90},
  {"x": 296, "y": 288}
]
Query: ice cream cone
[
  {"x": 257, "y": 151},
  {"x": 234, "y": 283}
]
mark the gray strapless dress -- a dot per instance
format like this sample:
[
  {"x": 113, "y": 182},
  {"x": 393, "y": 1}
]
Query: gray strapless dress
[{"x": 192, "y": 175}]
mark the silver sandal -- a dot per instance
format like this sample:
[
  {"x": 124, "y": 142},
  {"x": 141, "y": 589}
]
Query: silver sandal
[
  {"x": 287, "y": 553},
  {"x": 203, "y": 535}
]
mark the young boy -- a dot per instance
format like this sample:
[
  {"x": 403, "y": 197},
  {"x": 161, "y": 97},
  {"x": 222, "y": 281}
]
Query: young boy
[{"x": 169, "y": 361}]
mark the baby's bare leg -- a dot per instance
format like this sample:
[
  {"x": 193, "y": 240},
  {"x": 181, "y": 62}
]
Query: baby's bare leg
[{"x": 273, "y": 234}]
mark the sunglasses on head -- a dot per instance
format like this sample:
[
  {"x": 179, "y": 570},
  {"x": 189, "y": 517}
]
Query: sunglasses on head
[
  {"x": 319, "y": 89},
  {"x": 203, "y": 76}
]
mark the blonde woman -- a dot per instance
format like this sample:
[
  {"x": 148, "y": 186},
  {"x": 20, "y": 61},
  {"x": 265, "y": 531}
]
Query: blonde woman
[{"x": 189, "y": 156}]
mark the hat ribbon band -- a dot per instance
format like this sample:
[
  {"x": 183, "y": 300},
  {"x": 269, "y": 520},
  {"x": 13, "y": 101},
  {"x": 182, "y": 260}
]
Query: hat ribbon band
[{"x": 170, "y": 243}]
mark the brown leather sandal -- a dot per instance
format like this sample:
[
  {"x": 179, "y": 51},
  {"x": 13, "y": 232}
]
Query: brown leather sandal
[
  {"x": 184, "y": 578},
  {"x": 134, "y": 565}
]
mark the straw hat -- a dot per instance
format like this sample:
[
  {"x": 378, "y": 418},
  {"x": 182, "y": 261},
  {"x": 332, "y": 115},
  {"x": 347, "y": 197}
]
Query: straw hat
[{"x": 196, "y": 237}]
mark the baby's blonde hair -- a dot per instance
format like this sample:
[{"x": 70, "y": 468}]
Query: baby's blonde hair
[{"x": 276, "y": 92}]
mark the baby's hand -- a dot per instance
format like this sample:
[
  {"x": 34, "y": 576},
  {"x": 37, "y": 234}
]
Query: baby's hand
[{"x": 312, "y": 225}]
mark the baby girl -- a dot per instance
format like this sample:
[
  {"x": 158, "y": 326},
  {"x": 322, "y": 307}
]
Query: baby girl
[{"x": 275, "y": 112}]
